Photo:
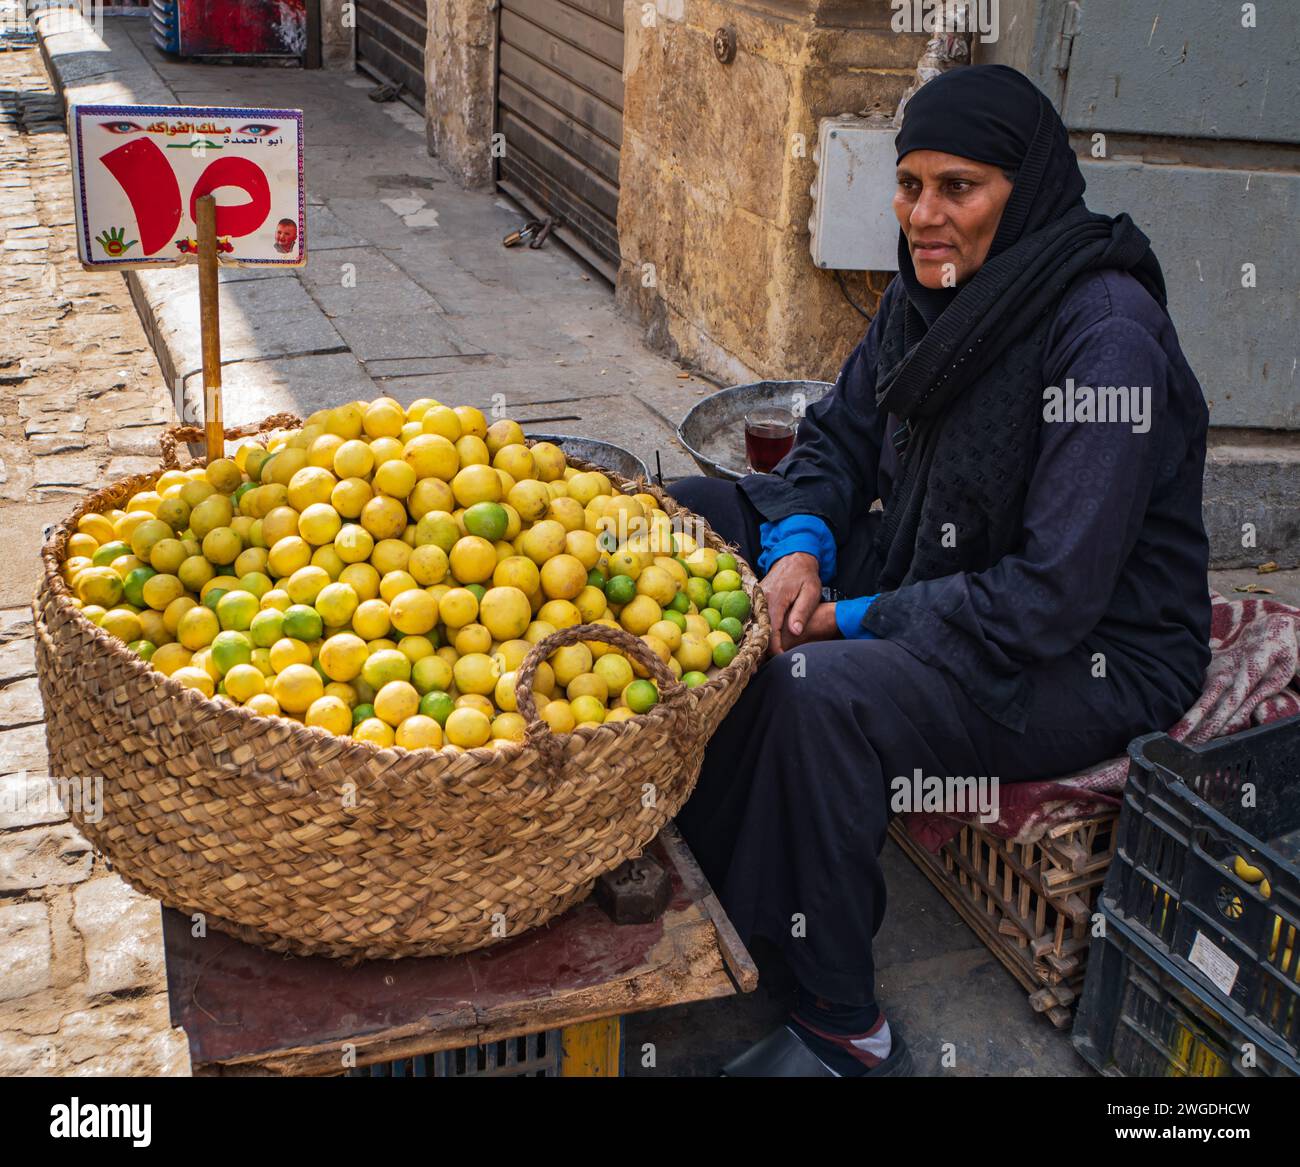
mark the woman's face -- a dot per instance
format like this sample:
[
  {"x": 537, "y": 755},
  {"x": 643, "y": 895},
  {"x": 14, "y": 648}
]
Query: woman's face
[{"x": 949, "y": 208}]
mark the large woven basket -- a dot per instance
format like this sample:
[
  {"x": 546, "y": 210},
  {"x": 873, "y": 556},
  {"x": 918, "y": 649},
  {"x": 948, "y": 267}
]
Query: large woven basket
[{"x": 295, "y": 839}]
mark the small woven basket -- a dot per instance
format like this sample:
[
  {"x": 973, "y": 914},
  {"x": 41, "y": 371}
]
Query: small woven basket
[{"x": 300, "y": 841}]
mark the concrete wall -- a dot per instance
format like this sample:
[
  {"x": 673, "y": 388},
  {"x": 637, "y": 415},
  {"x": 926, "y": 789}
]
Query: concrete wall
[
  {"x": 715, "y": 170},
  {"x": 459, "y": 66}
]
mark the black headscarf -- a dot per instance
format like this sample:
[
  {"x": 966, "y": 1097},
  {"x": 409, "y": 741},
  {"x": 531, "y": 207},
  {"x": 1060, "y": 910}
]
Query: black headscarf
[{"x": 963, "y": 366}]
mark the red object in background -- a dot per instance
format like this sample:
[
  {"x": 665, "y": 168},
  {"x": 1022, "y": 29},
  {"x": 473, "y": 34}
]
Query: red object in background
[{"x": 258, "y": 28}]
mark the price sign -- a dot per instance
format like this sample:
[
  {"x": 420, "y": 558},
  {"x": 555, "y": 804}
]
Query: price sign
[{"x": 139, "y": 171}]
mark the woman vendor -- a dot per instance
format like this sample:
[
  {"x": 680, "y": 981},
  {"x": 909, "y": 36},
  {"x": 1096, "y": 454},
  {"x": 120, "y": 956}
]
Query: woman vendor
[{"x": 1033, "y": 594}]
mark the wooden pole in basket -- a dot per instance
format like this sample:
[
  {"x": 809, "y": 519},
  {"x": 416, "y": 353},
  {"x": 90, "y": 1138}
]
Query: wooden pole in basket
[{"x": 210, "y": 326}]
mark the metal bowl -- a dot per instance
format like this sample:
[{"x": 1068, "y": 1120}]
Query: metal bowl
[
  {"x": 605, "y": 454},
  {"x": 713, "y": 433}
]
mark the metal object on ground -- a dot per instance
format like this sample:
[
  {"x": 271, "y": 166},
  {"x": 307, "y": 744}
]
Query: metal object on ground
[
  {"x": 603, "y": 454},
  {"x": 635, "y": 893},
  {"x": 713, "y": 432}
]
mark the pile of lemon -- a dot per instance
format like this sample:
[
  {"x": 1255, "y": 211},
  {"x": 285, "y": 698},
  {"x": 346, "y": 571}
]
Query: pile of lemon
[{"x": 383, "y": 571}]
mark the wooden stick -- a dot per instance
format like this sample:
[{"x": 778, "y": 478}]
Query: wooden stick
[{"x": 210, "y": 326}]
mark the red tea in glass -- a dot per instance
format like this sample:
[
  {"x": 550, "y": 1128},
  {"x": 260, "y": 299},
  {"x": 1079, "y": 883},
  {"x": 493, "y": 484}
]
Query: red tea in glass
[{"x": 769, "y": 436}]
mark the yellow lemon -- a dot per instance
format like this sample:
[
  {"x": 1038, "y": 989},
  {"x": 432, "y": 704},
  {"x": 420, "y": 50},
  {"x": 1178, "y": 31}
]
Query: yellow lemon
[
  {"x": 413, "y": 611},
  {"x": 515, "y": 459},
  {"x": 438, "y": 419},
  {"x": 385, "y": 666},
  {"x": 415, "y": 648},
  {"x": 458, "y": 606},
  {"x": 353, "y": 459},
  {"x": 395, "y": 479},
  {"x": 508, "y": 727},
  {"x": 383, "y": 418},
  {"x": 563, "y": 577},
  {"x": 517, "y": 571},
  {"x": 467, "y": 728},
  {"x": 428, "y": 564},
  {"x": 309, "y": 485},
  {"x": 570, "y": 661},
  {"x": 587, "y": 710},
  {"x": 476, "y": 673},
  {"x": 640, "y": 615},
  {"x": 287, "y": 652},
  {"x": 591, "y": 604},
  {"x": 476, "y": 483},
  {"x": 430, "y": 494},
  {"x": 336, "y": 603},
  {"x": 288, "y": 555},
  {"x": 550, "y": 461},
  {"x": 394, "y": 583},
  {"x": 376, "y": 732},
  {"x": 318, "y": 524},
  {"x": 432, "y": 456},
  {"x": 472, "y": 638},
  {"x": 195, "y": 678},
  {"x": 362, "y": 578},
  {"x": 371, "y": 620},
  {"x": 279, "y": 523},
  {"x": 616, "y": 671},
  {"x": 329, "y": 713},
  {"x": 198, "y": 628},
  {"x": 170, "y": 657},
  {"x": 419, "y": 733},
  {"x": 244, "y": 681},
  {"x": 354, "y": 543},
  {"x": 505, "y": 612},
  {"x": 559, "y": 716},
  {"x": 350, "y": 496},
  {"x": 543, "y": 540},
  {"x": 384, "y": 517},
  {"x": 396, "y": 701},
  {"x": 390, "y": 555},
  {"x": 559, "y": 614},
  {"x": 473, "y": 559},
  {"x": 588, "y": 685},
  {"x": 296, "y": 687}
]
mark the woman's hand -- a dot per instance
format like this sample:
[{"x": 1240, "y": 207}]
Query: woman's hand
[{"x": 793, "y": 589}]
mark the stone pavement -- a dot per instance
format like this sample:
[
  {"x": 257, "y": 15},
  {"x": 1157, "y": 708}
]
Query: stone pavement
[{"x": 81, "y": 402}]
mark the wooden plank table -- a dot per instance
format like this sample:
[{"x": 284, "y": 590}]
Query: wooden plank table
[{"x": 249, "y": 1011}]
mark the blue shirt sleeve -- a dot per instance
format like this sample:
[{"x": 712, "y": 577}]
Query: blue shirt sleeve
[
  {"x": 805, "y": 533},
  {"x": 848, "y": 617}
]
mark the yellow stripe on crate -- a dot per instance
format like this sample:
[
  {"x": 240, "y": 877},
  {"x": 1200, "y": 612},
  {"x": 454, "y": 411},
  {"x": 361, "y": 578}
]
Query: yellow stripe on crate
[{"x": 590, "y": 1049}]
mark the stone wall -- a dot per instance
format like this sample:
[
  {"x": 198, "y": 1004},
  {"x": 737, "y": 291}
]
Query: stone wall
[
  {"x": 337, "y": 39},
  {"x": 459, "y": 63},
  {"x": 716, "y": 166}
]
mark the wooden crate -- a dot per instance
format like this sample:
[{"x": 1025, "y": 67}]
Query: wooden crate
[{"x": 1031, "y": 903}]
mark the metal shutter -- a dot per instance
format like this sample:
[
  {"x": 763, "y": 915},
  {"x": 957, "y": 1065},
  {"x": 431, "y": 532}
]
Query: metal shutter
[
  {"x": 390, "y": 44},
  {"x": 560, "y": 107}
]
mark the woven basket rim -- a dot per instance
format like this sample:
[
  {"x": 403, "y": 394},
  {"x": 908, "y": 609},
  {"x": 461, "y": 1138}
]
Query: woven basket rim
[{"x": 754, "y": 641}]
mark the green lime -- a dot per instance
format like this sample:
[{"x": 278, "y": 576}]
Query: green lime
[
  {"x": 229, "y": 649},
  {"x": 735, "y": 605},
  {"x": 693, "y": 678},
  {"x": 478, "y": 589},
  {"x": 712, "y": 617},
  {"x": 595, "y": 579},
  {"x": 438, "y": 705},
  {"x": 487, "y": 520},
  {"x": 726, "y": 581},
  {"x": 724, "y": 653},
  {"x": 105, "y": 554},
  {"x": 727, "y": 562},
  {"x": 263, "y": 471},
  {"x": 621, "y": 589},
  {"x": 213, "y": 598},
  {"x": 681, "y": 602},
  {"x": 240, "y": 491},
  {"x": 302, "y": 623},
  {"x": 320, "y": 670},
  {"x": 641, "y": 696},
  {"x": 674, "y": 617},
  {"x": 266, "y": 627},
  {"x": 144, "y": 647},
  {"x": 732, "y": 627},
  {"x": 361, "y": 712},
  {"x": 236, "y": 609},
  {"x": 133, "y": 585},
  {"x": 438, "y": 528},
  {"x": 698, "y": 591}
]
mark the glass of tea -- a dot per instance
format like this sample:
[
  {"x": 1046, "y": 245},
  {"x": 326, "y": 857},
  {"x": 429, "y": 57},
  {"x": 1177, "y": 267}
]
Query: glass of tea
[{"x": 769, "y": 435}]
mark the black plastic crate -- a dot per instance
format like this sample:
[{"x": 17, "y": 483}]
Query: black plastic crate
[
  {"x": 1190, "y": 813},
  {"x": 1142, "y": 1017},
  {"x": 536, "y": 1055}
]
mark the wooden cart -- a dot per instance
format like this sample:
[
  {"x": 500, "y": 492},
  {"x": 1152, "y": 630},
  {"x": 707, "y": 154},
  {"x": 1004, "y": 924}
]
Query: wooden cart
[{"x": 548, "y": 1002}]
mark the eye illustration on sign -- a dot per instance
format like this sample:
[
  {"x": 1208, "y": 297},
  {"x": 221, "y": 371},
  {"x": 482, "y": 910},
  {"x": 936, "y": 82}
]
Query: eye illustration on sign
[{"x": 139, "y": 172}]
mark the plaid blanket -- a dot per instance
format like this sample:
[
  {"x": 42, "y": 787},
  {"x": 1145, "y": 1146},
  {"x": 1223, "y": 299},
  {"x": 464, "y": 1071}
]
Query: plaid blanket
[{"x": 1253, "y": 678}]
